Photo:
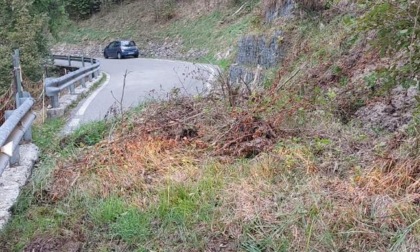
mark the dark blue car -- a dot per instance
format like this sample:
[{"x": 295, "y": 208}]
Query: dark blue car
[{"x": 120, "y": 49}]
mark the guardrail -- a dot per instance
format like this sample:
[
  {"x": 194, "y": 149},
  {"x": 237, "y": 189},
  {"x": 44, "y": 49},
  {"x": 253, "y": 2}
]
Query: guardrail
[
  {"x": 16, "y": 127},
  {"x": 54, "y": 86},
  {"x": 18, "y": 123}
]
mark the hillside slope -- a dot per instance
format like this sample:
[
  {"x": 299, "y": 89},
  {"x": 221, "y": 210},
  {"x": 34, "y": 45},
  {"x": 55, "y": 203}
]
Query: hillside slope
[
  {"x": 194, "y": 30},
  {"x": 322, "y": 156}
]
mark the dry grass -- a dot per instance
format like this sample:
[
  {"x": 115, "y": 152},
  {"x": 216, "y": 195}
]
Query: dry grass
[
  {"x": 130, "y": 164},
  {"x": 283, "y": 201},
  {"x": 146, "y": 12},
  {"x": 395, "y": 178},
  {"x": 7, "y": 102},
  {"x": 315, "y": 183},
  {"x": 309, "y": 5},
  {"x": 290, "y": 197},
  {"x": 169, "y": 137}
]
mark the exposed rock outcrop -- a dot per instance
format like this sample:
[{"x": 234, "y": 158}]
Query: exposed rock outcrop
[
  {"x": 391, "y": 115},
  {"x": 275, "y": 9},
  {"x": 256, "y": 53},
  {"x": 259, "y": 50}
]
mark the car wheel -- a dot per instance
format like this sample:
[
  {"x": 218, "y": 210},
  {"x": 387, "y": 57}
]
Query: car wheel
[
  {"x": 119, "y": 56},
  {"x": 105, "y": 55},
  {"x": 136, "y": 56}
]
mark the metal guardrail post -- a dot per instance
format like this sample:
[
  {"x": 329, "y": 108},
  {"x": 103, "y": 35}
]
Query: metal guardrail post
[
  {"x": 17, "y": 76},
  {"x": 72, "y": 89},
  {"x": 14, "y": 160},
  {"x": 69, "y": 59},
  {"x": 83, "y": 80},
  {"x": 90, "y": 77},
  {"x": 98, "y": 72},
  {"x": 93, "y": 74},
  {"x": 54, "y": 101},
  {"x": 28, "y": 135}
]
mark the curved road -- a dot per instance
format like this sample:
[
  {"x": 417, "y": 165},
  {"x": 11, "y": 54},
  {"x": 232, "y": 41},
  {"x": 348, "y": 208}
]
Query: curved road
[{"x": 146, "y": 79}]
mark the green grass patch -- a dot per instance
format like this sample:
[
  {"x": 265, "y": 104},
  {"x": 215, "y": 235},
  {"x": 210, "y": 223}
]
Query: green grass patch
[
  {"x": 189, "y": 203},
  {"x": 76, "y": 34},
  {"x": 87, "y": 134},
  {"x": 108, "y": 210},
  {"x": 133, "y": 226},
  {"x": 36, "y": 221},
  {"x": 211, "y": 32},
  {"x": 45, "y": 135}
]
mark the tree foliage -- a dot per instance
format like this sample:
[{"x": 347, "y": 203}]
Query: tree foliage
[
  {"x": 54, "y": 10},
  {"x": 397, "y": 26},
  {"x": 27, "y": 26},
  {"x": 82, "y": 9}
]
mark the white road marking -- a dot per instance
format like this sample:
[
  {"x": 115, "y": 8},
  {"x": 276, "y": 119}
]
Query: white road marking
[
  {"x": 213, "y": 72},
  {"x": 86, "y": 104},
  {"x": 74, "y": 123}
]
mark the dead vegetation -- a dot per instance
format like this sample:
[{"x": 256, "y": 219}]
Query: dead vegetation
[
  {"x": 306, "y": 5},
  {"x": 320, "y": 184},
  {"x": 166, "y": 133},
  {"x": 7, "y": 103},
  {"x": 294, "y": 163}
]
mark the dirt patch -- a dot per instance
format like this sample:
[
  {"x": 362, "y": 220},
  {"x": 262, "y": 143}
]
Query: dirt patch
[
  {"x": 53, "y": 244},
  {"x": 171, "y": 49},
  {"x": 64, "y": 178},
  {"x": 166, "y": 49},
  {"x": 392, "y": 113},
  {"x": 90, "y": 49},
  {"x": 222, "y": 243}
]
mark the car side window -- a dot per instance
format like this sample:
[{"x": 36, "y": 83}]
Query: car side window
[{"x": 117, "y": 44}]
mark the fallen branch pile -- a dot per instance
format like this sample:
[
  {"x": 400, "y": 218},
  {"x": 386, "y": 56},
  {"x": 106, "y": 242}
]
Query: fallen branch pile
[{"x": 224, "y": 131}]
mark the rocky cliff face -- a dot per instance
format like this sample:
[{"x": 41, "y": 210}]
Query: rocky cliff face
[
  {"x": 256, "y": 53},
  {"x": 276, "y": 9},
  {"x": 259, "y": 50}
]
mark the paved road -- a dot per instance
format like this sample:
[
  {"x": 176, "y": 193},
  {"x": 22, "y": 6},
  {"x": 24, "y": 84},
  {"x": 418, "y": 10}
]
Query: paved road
[{"x": 146, "y": 79}]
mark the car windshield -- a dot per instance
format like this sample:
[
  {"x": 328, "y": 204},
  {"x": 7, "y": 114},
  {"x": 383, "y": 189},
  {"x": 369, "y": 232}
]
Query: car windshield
[{"x": 128, "y": 43}]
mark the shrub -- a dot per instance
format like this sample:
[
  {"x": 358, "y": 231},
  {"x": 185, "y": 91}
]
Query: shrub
[
  {"x": 397, "y": 26},
  {"x": 23, "y": 29},
  {"x": 307, "y": 5},
  {"x": 164, "y": 9},
  {"x": 313, "y": 5}
]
